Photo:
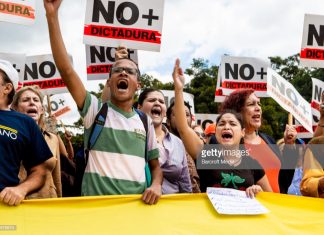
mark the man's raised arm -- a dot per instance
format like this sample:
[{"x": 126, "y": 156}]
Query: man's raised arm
[{"x": 69, "y": 76}]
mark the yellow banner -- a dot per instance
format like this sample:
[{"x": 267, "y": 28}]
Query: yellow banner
[{"x": 174, "y": 214}]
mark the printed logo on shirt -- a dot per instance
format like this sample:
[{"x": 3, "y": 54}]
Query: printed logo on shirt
[
  {"x": 230, "y": 178},
  {"x": 9, "y": 132},
  {"x": 141, "y": 134}
]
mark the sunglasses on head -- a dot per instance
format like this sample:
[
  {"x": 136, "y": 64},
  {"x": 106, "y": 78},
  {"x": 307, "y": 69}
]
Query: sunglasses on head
[{"x": 130, "y": 71}]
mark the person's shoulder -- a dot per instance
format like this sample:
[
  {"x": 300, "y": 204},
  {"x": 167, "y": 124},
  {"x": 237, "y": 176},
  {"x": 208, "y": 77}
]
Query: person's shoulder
[
  {"x": 267, "y": 138},
  {"x": 20, "y": 116},
  {"x": 51, "y": 135},
  {"x": 174, "y": 138}
]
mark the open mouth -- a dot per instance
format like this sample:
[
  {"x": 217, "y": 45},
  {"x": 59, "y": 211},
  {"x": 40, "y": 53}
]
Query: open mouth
[
  {"x": 122, "y": 85},
  {"x": 32, "y": 111},
  {"x": 227, "y": 135},
  {"x": 156, "y": 112},
  {"x": 257, "y": 116}
]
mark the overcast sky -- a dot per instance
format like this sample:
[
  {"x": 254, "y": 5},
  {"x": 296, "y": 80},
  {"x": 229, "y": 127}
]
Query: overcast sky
[{"x": 191, "y": 29}]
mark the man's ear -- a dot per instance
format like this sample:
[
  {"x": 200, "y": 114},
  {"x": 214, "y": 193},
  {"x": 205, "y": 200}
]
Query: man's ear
[{"x": 8, "y": 88}]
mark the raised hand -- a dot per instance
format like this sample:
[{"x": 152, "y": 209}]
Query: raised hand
[
  {"x": 322, "y": 106},
  {"x": 52, "y": 6},
  {"x": 121, "y": 53},
  {"x": 178, "y": 77}
]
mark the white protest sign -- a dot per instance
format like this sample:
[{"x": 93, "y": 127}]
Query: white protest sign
[
  {"x": 41, "y": 70},
  {"x": 243, "y": 72},
  {"x": 100, "y": 59},
  {"x": 285, "y": 94},
  {"x": 219, "y": 97},
  {"x": 302, "y": 132},
  {"x": 169, "y": 99},
  {"x": 318, "y": 91},
  {"x": 18, "y": 11},
  {"x": 62, "y": 106},
  {"x": 312, "y": 48},
  {"x": 234, "y": 202},
  {"x": 136, "y": 24},
  {"x": 18, "y": 61}
]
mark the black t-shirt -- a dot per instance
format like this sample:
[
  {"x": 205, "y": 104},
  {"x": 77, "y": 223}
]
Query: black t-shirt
[
  {"x": 20, "y": 140},
  {"x": 240, "y": 177}
]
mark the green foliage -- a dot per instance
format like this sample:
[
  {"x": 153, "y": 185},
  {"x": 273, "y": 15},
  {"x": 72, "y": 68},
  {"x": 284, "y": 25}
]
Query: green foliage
[
  {"x": 203, "y": 85},
  {"x": 149, "y": 81}
]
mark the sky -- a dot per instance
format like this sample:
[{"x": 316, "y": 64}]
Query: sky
[{"x": 191, "y": 29}]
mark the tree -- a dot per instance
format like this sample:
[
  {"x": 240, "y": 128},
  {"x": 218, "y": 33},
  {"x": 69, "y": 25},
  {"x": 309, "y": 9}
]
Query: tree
[{"x": 203, "y": 85}]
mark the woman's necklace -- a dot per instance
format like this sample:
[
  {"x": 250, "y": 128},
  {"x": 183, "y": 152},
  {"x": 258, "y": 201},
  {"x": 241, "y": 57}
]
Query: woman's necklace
[{"x": 160, "y": 137}]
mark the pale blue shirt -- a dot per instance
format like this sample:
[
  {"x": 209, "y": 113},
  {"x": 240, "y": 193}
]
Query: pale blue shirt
[{"x": 173, "y": 163}]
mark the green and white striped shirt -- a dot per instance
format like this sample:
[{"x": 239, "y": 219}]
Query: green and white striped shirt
[{"x": 116, "y": 161}]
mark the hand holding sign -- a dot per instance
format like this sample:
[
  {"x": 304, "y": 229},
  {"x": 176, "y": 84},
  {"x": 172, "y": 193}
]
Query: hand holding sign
[
  {"x": 290, "y": 134},
  {"x": 322, "y": 106},
  {"x": 121, "y": 52},
  {"x": 178, "y": 78}
]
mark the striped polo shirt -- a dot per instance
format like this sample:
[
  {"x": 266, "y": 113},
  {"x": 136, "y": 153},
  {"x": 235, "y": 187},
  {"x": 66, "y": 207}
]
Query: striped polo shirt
[{"x": 116, "y": 161}]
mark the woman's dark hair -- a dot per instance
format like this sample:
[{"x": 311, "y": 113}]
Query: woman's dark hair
[
  {"x": 6, "y": 80},
  {"x": 145, "y": 93},
  {"x": 169, "y": 110},
  {"x": 237, "y": 115},
  {"x": 236, "y": 100}
]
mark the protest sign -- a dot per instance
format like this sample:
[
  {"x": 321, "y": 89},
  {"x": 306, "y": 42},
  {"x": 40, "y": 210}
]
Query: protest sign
[
  {"x": 100, "y": 59},
  {"x": 134, "y": 24},
  {"x": 243, "y": 72},
  {"x": 312, "y": 49},
  {"x": 289, "y": 99},
  {"x": 318, "y": 90},
  {"x": 219, "y": 97},
  {"x": 18, "y": 11},
  {"x": 41, "y": 70}
]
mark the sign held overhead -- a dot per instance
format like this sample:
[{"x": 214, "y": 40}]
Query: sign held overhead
[
  {"x": 134, "y": 24},
  {"x": 18, "y": 11},
  {"x": 312, "y": 49},
  {"x": 100, "y": 59},
  {"x": 289, "y": 99}
]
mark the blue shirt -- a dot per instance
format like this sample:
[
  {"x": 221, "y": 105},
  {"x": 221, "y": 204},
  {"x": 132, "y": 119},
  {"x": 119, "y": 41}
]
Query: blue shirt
[
  {"x": 173, "y": 163},
  {"x": 20, "y": 140}
]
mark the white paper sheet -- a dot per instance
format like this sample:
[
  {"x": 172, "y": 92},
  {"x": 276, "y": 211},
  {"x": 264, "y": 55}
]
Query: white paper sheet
[{"x": 234, "y": 202}]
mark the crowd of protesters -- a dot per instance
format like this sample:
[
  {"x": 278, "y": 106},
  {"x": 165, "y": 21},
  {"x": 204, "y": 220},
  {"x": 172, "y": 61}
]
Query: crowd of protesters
[{"x": 134, "y": 151}]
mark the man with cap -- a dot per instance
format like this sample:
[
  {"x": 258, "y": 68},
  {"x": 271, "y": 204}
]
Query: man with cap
[
  {"x": 209, "y": 133},
  {"x": 20, "y": 141}
]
